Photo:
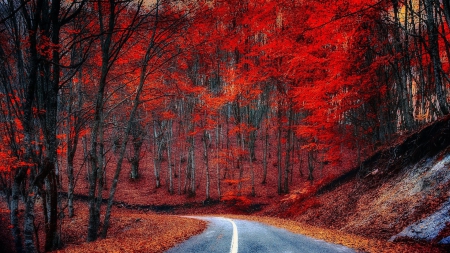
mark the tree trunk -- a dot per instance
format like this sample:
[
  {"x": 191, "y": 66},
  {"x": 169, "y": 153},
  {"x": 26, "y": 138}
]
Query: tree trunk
[
  {"x": 70, "y": 188},
  {"x": 157, "y": 154},
  {"x": 29, "y": 222},
  {"x": 241, "y": 145},
  {"x": 279, "y": 154},
  {"x": 109, "y": 51},
  {"x": 14, "y": 212},
  {"x": 134, "y": 174},
  {"x": 300, "y": 159},
  {"x": 206, "y": 141},
  {"x": 288, "y": 150},
  {"x": 433, "y": 48},
  {"x": 180, "y": 148},
  {"x": 100, "y": 174},
  {"x": 446, "y": 4},
  {"x": 169, "y": 157},
  {"x": 400, "y": 65},
  {"x": 218, "y": 127},
  {"x": 252, "y": 171},
  {"x": 311, "y": 165},
  {"x": 52, "y": 239},
  {"x": 72, "y": 144},
  {"x": 191, "y": 165},
  {"x": 266, "y": 147},
  {"x": 138, "y": 134},
  {"x": 227, "y": 156},
  {"x": 131, "y": 118}
]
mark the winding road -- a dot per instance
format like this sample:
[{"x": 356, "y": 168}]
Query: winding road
[{"x": 227, "y": 235}]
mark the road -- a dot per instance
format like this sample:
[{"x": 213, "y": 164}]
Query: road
[{"x": 227, "y": 235}]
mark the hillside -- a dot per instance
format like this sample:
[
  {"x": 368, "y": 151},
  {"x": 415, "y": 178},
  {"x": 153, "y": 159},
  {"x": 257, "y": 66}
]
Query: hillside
[{"x": 397, "y": 187}]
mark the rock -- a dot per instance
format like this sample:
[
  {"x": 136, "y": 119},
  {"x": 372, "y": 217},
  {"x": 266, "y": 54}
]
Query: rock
[
  {"x": 428, "y": 229},
  {"x": 446, "y": 240}
]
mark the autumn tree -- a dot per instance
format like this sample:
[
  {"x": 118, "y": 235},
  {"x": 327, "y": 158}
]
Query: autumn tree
[{"x": 35, "y": 29}]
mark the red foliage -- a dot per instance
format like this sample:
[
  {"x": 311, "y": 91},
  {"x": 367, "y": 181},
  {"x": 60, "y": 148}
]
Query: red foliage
[
  {"x": 238, "y": 203},
  {"x": 299, "y": 201}
]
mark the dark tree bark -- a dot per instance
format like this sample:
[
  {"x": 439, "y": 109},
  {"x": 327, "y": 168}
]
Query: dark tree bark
[{"x": 433, "y": 49}]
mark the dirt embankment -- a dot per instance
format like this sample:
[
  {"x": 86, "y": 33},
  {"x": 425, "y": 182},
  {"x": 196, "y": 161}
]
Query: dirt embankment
[{"x": 391, "y": 190}]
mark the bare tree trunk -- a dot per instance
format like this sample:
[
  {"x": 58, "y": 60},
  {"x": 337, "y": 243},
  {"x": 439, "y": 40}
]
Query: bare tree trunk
[
  {"x": 288, "y": 150},
  {"x": 179, "y": 170},
  {"x": 180, "y": 148},
  {"x": 311, "y": 165},
  {"x": 100, "y": 173},
  {"x": 29, "y": 231},
  {"x": 252, "y": 171},
  {"x": 206, "y": 141},
  {"x": 446, "y": 4},
  {"x": 241, "y": 145},
  {"x": 433, "y": 49},
  {"x": 131, "y": 118},
  {"x": 169, "y": 156},
  {"x": 52, "y": 239},
  {"x": 279, "y": 160},
  {"x": 70, "y": 188},
  {"x": 95, "y": 179},
  {"x": 191, "y": 164},
  {"x": 266, "y": 147},
  {"x": 227, "y": 156},
  {"x": 218, "y": 127},
  {"x": 157, "y": 154},
  {"x": 190, "y": 169},
  {"x": 106, "y": 41},
  {"x": 14, "y": 210},
  {"x": 400, "y": 66},
  {"x": 135, "y": 160},
  {"x": 72, "y": 144},
  {"x": 110, "y": 49},
  {"x": 138, "y": 135},
  {"x": 300, "y": 159}
]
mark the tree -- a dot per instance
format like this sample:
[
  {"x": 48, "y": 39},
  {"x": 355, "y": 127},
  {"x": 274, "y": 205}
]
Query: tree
[{"x": 36, "y": 89}]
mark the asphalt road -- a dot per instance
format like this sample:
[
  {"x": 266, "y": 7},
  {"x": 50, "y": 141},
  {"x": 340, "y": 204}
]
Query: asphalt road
[{"x": 226, "y": 235}]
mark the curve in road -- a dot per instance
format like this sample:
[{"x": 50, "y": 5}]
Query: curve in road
[{"x": 226, "y": 235}]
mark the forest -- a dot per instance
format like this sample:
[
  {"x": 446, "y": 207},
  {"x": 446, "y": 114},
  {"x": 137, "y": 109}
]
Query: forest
[{"x": 217, "y": 100}]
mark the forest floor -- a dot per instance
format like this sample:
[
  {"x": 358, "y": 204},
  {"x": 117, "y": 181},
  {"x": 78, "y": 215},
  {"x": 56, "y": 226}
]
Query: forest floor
[{"x": 130, "y": 231}]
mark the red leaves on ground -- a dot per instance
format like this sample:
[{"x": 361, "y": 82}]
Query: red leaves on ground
[{"x": 132, "y": 231}]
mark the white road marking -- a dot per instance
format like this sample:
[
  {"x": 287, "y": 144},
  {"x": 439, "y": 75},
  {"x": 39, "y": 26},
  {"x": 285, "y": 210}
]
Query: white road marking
[{"x": 234, "y": 240}]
